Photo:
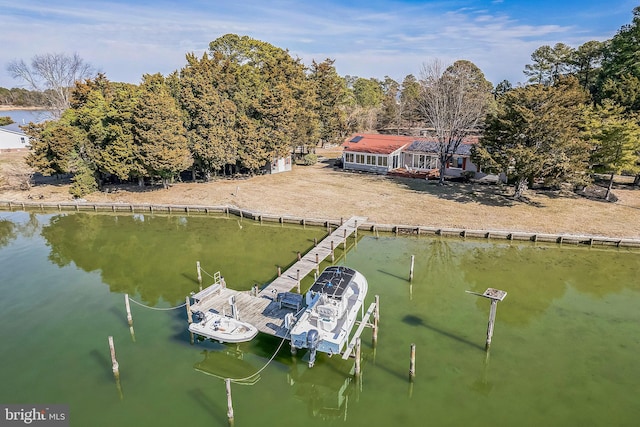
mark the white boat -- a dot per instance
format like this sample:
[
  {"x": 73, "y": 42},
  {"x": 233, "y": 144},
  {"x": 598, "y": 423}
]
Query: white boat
[
  {"x": 332, "y": 305},
  {"x": 223, "y": 328}
]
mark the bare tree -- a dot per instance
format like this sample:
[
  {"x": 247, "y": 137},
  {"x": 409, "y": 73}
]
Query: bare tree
[
  {"x": 453, "y": 102},
  {"x": 53, "y": 74}
]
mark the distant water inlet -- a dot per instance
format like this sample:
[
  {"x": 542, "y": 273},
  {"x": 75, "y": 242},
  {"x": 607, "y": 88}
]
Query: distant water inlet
[{"x": 563, "y": 353}]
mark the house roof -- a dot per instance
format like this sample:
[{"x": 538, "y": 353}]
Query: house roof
[
  {"x": 426, "y": 146},
  {"x": 375, "y": 144},
  {"x": 387, "y": 144}
]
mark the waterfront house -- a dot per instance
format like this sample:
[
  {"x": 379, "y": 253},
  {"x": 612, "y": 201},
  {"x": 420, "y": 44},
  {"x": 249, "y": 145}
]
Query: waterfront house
[
  {"x": 373, "y": 152},
  {"x": 389, "y": 154}
]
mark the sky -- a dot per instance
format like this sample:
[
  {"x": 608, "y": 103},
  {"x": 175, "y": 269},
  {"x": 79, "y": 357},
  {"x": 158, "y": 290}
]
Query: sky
[{"x": 367, "y": 38}]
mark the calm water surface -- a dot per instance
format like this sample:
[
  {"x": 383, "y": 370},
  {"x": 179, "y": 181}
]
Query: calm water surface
[
  {"x": 23, "y": 117},
  {"x": 564, "y": 351}
]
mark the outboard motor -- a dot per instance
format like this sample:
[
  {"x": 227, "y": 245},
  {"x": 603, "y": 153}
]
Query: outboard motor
[{"x": 313, "y": 338}]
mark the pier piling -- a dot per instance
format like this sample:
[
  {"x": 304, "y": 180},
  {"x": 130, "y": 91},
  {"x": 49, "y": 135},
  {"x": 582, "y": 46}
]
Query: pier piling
[
  {"x": 492, "y": 321},
  {"x": 199, "y": 274},
  {"x": 412, "y": 363},
  {"x": 188, "y": 306},
  {"x": 376, "y": 317},
  {"x": 128, "y": 308},
  {"x": 333, "y": 258},
  {"x": 358, "y": 354},
  {"x": 413, "y": 259},
  {"x": 229, "y": 401},
  {"x": 115, "y": 367}
]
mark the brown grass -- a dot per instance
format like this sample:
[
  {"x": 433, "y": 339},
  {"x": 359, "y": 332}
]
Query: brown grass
[{"x": 320, "y": 191}]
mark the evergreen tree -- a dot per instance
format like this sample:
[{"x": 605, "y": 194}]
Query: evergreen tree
[
  {"x": 390, "y": 112},
  {"x": 211, "y": 116},
  {"x": 273, "y": 97},
  {"x": 535, "y": 135},
  {"x": 103, "y": 110},
  {"x": 159, "y": 131},
  {"x": 615, "y": 140},
  {"x": 330, "y": 100},
  {"x": 620, "y": 75},
  {"x": 409, "y": 98}
]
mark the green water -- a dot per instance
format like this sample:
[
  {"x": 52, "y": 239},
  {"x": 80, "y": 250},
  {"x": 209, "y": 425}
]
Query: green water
[{"x": 564, "y": 351}]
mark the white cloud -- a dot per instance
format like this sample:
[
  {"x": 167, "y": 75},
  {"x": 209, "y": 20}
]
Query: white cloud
[{"x": 128, "y": 40}]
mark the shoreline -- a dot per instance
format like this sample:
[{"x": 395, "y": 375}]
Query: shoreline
[
  {"x": 395, "y": 229},
  {"x": 322, "y": 191},
  {"x": 6, "y": 107}
]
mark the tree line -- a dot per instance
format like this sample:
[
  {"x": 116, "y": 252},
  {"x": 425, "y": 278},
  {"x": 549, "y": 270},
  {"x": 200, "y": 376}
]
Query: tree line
[
  {"x": 245, "y": 102},
  {"x": 577, "y": 114}
]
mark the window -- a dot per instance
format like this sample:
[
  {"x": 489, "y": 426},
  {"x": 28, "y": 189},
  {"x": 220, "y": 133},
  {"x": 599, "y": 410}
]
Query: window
[
  {"x": 424, "y": 161},
  {"x": 371, "y": 160},
  {"x": 348, "y": 157},
  {"x": 456, "y": 162},
  {"x": 383, "y": 161},
  {"x": 360, "y": 158}
]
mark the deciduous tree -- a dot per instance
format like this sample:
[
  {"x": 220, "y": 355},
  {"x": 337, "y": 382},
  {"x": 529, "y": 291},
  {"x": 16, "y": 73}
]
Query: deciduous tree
[
  {"x": 453, "y": 102},
  {"x": 53, "y": 74}
]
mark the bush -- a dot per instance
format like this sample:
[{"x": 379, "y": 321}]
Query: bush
[
  {"x": 83, "y": 182},
  {"x": 310, "y": 159}
]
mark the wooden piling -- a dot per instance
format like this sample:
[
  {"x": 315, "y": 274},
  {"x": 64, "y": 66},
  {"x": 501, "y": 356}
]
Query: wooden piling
[
  {"x": 299, "y": 256},
  {"x": 376, "y": 317},
  {"x": 492, "y": 320},
  {"x": 229, "y": 401},
  {"x": 357, "y": 367},
  {"x": 333, "y": 257},
  {"x": 199, "y": 274},
  {"x": 279, "y": 271},
  {"x": 128, "y": 307},
  {"x": 188, "y": 306},
  {"x": 315, "y": 242},
  {"x": 114, "y": 363},
  {"x": 413, "y": 258},
  {"x": 412, "y": 363}
]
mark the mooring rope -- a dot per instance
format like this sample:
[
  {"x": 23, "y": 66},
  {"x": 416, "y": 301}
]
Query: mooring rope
[
  {"x": 202, "y": 269},
  {"x": 157, "y": 308},
  {"x": 245, "y": 380}
]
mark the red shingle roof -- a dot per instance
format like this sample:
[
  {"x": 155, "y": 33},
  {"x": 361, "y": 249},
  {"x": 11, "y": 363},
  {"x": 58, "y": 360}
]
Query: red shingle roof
[
  {"x": 387, "y": 144},
  {"x": 376, "y": 144}
]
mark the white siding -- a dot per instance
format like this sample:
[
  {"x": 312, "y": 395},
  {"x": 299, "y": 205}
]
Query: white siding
[{"x": 10, "y": 140}]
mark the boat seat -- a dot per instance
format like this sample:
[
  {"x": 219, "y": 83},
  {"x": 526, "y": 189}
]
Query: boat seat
[
  {"x": 290, "y": 300},
  {"x": 208, "y": 292}
]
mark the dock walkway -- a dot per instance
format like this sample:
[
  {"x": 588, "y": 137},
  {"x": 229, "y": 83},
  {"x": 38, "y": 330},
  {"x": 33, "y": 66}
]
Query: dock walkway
[
  {"x": 264, "y": 311},
  {"x": 309, "y": 262}
]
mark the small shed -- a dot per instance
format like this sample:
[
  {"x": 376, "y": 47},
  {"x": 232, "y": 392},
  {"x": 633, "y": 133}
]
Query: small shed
[{"x": 279, "y": 164}]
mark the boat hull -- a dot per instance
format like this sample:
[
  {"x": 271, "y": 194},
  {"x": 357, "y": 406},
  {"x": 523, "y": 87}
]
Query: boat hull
[
  {"x": 223, "y": 328},
  {"x": 327, "y": 321}
]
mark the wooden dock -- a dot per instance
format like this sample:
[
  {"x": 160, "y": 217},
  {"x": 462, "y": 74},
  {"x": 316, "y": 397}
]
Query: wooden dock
[
  {"x": 311, "y": 260},
  {"x": 264, "y": 311}
]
